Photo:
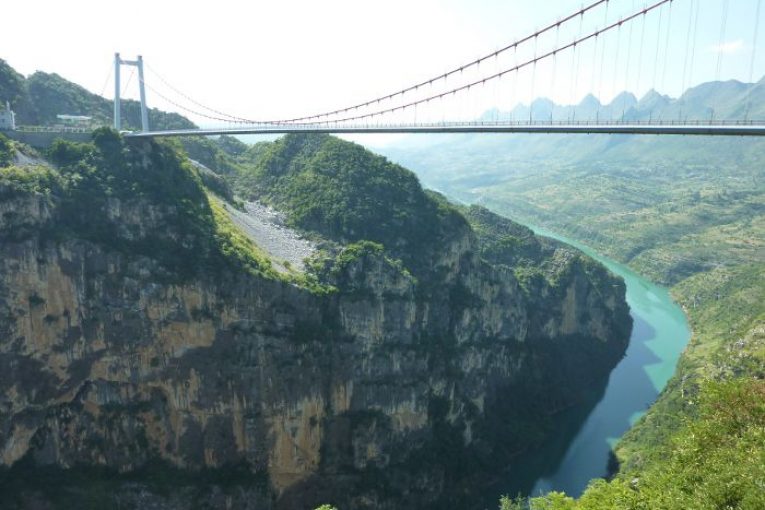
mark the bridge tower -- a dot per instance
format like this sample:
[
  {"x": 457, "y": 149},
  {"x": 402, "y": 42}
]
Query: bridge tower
[{"x": 118, "y": 63}]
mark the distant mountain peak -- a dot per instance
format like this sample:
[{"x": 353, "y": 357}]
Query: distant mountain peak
[
  {"x": 652, "y": 100},
  {"x": 652, "y": 95},
  {"x": 730, "y": 99},
  {"x": 589, "y": 101},
  {"x": 543, "y": 101},
  {"x": 624, "y": 99}
]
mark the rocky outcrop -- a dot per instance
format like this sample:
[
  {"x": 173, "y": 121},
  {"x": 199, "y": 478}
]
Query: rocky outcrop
[
  {"x": 389, "y": 393},
  {"x": 132, "y": 378}
]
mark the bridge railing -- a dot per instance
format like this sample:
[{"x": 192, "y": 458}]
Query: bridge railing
[
  {"x": 533, "y": 122},
  {"x": 727, "y": 127},
  {"x": 52, "y": 129},
  {"x": 492, "y": 123}
]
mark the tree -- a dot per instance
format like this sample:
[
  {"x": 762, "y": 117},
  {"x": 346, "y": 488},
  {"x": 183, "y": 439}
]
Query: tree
[{"x": 6, "y": 152}]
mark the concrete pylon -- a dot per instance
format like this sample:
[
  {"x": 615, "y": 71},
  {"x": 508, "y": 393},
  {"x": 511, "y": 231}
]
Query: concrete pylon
[{"x": 118, "y": 63}]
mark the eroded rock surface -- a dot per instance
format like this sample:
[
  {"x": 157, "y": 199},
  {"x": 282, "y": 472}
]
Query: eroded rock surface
[{"x": 142, "y": 366}]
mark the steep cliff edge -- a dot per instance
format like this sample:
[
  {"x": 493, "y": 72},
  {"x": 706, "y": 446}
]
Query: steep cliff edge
[{"x": 144, "y": 343}]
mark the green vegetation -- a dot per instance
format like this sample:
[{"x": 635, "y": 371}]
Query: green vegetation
[
  {"x": 223, "y": 155},
  {"x": 702, "y": 445},
  {"x": 703, "y": 230},
  {"x": 726, "y": 305},
  {"x": 667, "y": 225},
  {"x": 669, "y": 207},
  {"x": 356, "y": 251},
  {"x": 108, "y": 174},
  {"x": 96, "y": 183},
  {"x": 342, "y": 192},
  {"x": 726, "y": 310},
  {"x": 15, "y": 181},
  {"x": 11, "y": 85},
  {"x": 143, "y": 200},
  {"x": 235, "y": 246},
  {"x": 535, "y": 261},
  {"x": 333, "y": 268},
  {"x": 40, "y": 97},
  {"x": 688, "y": 212},
  {"x": 714, "y": 461},
  {"x": 504, "y": 241},
  {"x": 6, "y": 152}
]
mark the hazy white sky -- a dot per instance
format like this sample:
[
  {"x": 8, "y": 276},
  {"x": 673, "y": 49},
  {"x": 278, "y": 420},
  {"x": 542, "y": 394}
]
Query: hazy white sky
[{"x": 282, "y": 58}]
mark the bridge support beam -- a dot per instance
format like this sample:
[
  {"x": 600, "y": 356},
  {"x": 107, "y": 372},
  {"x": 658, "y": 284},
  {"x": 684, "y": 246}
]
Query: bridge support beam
[{"x": 118, "y": 63}]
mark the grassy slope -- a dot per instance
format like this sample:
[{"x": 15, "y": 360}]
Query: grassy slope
[
  {"x": 715, "y": 461},
  {"x": 726, "y": 309},
  {"x": 667, "y": 226},
  {"x": 670, "y": 207}
]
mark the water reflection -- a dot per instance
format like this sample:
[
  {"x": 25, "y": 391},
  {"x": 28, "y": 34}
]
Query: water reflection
[{"x": 579, "y": 448}]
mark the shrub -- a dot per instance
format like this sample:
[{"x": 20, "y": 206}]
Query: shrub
[{"x": 6, "y": 151}]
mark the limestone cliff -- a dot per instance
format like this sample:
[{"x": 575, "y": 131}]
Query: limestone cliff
[{"x": 398, "y": 389}]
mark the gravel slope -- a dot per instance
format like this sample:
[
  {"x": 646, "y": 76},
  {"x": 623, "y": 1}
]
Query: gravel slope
[{"x": 265, "y": 227}]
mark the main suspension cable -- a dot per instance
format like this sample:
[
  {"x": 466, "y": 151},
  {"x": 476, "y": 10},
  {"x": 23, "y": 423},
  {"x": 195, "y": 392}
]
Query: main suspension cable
[
  {"x": 107, "y": 80},
  {"x": 189, "y": 110},
  {"x": 527, "y": 63},
  {"x": 456, "y": 70},
  {"x": 216, "y": 112}
]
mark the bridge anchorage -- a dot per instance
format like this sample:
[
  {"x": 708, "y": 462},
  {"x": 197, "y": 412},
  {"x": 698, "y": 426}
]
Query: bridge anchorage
[{"x": 570, "y": 51}]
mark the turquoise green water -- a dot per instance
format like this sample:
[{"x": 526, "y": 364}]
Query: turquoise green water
[{"x": 659, "y": 335}]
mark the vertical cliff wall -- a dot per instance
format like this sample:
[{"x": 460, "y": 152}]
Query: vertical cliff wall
[{"x": 396, "y": 389}]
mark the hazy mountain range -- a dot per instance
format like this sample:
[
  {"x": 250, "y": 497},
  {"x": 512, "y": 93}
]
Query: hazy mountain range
[
  {"x": 728, "y": 100},
  {"x": 456, "y": 162}
]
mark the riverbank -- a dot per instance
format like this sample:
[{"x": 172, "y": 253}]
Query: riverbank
[
  {"x": 660, "y": 333},
  {"x": 581, "y": 447}
]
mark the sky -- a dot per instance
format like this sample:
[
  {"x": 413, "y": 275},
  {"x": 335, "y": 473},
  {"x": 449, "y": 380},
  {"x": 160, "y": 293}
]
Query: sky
[{"x": 280, "y": 59}]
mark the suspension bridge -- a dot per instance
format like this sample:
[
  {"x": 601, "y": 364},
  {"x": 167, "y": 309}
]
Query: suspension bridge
[{"x": 600, "y": 46}]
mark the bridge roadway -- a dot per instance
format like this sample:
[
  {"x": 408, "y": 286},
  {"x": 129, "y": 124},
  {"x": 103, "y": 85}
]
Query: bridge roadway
[{"x": 706, "y": 128}]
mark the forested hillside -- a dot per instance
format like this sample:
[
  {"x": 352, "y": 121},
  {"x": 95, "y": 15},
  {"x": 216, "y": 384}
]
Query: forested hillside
[{"x": 37, "y": 100}]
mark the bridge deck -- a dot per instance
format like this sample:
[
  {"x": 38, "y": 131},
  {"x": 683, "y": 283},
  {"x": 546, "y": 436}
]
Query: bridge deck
[{"x": 706, "y": 128}]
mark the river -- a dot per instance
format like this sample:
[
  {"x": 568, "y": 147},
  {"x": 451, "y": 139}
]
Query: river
[
  {"x": 579, "y": 451},
  {"x": 659, "y": 335}
]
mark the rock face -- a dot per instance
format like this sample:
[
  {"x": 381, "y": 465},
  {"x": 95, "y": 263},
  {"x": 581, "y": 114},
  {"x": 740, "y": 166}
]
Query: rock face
[{"x": 380, "y": 395}]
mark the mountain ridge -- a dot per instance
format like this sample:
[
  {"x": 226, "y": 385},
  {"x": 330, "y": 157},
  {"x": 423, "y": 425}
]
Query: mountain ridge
[{"x": 717, "y": 100}]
